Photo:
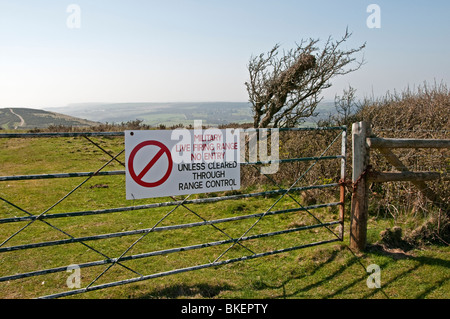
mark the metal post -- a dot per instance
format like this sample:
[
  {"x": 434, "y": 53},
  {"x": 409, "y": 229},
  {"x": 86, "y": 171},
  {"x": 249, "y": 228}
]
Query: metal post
[{"x": 342, "y": 183}]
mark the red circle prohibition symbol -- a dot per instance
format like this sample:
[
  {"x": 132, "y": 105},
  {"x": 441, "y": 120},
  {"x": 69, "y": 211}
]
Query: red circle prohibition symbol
[{"x": 138, "y": 177}]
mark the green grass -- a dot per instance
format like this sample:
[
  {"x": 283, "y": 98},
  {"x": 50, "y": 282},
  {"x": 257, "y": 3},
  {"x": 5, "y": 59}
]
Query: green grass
[{"x": 328, "y": 271}]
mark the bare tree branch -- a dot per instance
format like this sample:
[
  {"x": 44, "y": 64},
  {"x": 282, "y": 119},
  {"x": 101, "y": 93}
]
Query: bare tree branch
[{"x": 285, "y": 90}]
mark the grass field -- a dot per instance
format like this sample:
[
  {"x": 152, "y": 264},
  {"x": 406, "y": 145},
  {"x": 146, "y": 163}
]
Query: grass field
[{"x": 327, "y": 271}]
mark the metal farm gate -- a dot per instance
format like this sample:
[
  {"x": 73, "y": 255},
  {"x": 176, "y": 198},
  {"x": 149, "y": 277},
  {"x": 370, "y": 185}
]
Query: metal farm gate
[{"x": 54, "y": 224}]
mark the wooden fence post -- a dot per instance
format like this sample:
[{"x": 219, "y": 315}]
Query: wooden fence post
[{"x": 359, "y": 205}]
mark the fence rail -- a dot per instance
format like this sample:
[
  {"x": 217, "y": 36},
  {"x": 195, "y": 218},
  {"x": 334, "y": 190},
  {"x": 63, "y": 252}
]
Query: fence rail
[
  {"x": 377, "y": 142},
  {"x": 363, "y": 174}
]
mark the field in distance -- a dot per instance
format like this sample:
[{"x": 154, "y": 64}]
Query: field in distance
[
  {"x": 153, "y": 114},
  {"x": 173, "y": 113},
  {"x": 169, "y": 114}
]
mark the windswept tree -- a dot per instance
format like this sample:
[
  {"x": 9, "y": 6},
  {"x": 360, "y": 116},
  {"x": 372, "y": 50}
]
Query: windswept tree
[{"x": 286, "y": 89}]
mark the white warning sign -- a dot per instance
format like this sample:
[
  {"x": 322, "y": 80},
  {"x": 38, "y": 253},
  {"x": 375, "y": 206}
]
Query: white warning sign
[{"x": 179, "y": 162}]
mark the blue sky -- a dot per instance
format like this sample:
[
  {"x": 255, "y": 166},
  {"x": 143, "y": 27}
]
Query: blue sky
[{"x": 171, "y": 51}]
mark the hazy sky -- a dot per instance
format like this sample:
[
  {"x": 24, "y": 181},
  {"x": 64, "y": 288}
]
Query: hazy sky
[{"x": 163, "y": 51}]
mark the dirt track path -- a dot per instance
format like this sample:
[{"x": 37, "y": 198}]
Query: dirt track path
[{"x": 22, "y": 121}]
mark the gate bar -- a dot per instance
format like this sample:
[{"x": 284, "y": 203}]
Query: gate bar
[
  {"x": 163, "y": 204},
  {"x": 58, "y": 175},
  {"x": 122, "y": 172},
  {"x": 122, "y": 133},
  {"x": 181, "y": 270},
  {"x": 60, "y": 134},
  {"x": 159, "y": 229},
  {"x": 162, "y": 252}
]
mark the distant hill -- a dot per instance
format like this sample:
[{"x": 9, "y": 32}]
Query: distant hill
[
  {"x": 25, "y": 118},
  {"x": 154, "y": 114},
  {"x": 211, "y": 113}
]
